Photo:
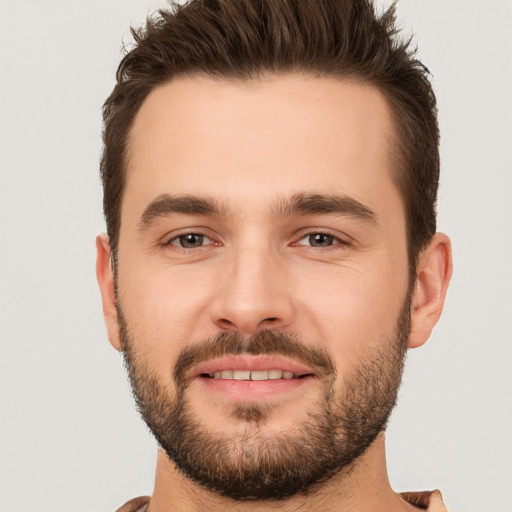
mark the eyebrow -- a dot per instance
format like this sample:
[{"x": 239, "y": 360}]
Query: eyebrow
[
  {"x": 298, "y": 205},
  {"x": 315, "y": 204},
  {"x": 166, "y": 204}
]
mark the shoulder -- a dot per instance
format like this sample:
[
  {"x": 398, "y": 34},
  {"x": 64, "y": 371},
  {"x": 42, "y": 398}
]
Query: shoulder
[
  {"x": 431, "y": 501},
  {"x": 135, "y": 505}
]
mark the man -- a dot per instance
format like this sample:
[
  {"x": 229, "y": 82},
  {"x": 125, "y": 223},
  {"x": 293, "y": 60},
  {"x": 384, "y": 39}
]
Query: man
[{"x": 270, "y": 176}]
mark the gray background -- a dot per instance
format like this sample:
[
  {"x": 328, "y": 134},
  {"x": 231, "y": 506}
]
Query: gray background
[{"x": 69, "y": 436}]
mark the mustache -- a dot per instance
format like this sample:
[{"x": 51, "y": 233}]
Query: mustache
[{"x": 267, "y": 342}]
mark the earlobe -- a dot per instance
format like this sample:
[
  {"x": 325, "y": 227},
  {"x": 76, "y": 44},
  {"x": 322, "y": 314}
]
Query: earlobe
[
  {"x": 433, "y": 275},
  {"x": 105, "y": 278}
]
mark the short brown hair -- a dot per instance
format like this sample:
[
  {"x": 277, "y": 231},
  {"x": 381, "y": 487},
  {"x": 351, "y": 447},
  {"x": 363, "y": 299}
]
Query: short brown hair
[{"x": 246, "y": 39}]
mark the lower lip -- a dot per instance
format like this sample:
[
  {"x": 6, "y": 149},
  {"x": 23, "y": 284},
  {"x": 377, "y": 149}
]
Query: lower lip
[{"x": 250, "y": 390}]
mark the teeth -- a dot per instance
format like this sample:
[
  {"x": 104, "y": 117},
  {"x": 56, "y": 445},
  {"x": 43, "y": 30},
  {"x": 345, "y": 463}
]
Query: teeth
[
  {"x": 254, "y": 375},
  {"x": 275, "y": 374},
  {"x": 261, "y": 375},
  {"x": 241, "y": 375}
]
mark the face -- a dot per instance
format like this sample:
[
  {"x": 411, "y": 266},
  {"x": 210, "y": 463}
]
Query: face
[{"x": 262, "y": 277}]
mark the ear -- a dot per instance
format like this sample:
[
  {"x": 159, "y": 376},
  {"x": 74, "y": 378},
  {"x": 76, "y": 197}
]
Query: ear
[
  {"x": 105, "y": 278},
  {"x": 433, "y": 275}
]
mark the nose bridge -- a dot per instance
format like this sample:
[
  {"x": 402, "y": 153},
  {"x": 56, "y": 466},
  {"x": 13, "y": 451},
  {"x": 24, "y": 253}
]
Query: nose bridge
[{"x": 253, "y": 294}]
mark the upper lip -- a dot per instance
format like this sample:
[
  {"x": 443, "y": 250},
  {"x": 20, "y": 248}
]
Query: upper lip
[{"x": 251, "y": 363}]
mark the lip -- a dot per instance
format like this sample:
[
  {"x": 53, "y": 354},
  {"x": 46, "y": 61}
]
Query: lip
[
  {"x": 252, "y": 390},
  {"x": 252, "y": 363}
]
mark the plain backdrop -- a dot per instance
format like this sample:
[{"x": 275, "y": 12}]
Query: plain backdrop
[{"x": 70, "y": 438}]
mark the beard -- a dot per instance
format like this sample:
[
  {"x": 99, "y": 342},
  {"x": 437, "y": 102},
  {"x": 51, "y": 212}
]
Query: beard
[{"x": 253, "y": 464}]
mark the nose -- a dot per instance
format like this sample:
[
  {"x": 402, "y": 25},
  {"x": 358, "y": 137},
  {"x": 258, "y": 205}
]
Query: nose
[{"x": 253, "y": 293}]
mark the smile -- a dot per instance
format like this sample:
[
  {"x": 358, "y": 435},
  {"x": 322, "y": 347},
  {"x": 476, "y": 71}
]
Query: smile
[
  {"x": 273, "y": 374},
  {"x": 251, "y": 368},
  {"x": 249, "y": 378}
]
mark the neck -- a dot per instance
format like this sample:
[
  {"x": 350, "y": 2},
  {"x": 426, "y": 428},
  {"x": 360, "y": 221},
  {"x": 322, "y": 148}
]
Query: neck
[{"x": 364, "y": 488}]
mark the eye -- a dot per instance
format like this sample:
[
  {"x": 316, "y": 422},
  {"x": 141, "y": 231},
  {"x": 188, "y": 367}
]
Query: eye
[
  {"x": 319, "y": 240},
  {"x": 190, "y": 241}
]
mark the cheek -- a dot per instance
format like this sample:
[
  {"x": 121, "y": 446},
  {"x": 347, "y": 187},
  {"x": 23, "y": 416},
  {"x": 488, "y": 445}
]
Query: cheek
[
  {"x": 162, "y": 309},
  {"x": 352, "y": 312}
]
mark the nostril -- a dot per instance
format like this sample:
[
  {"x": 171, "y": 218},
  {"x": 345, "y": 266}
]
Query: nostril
[{"x": 227, "y": 324}]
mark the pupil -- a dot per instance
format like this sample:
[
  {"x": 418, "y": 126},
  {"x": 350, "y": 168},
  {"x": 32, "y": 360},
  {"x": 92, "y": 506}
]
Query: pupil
[
  {"x": 320, "y": 239},
  {"x": 191, "y": 240}
]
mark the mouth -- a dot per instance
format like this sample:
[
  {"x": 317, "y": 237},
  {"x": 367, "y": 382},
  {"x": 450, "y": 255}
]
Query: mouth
[
  {"x": 272, "y": 374},
  {"x": 250, "y": 378}
]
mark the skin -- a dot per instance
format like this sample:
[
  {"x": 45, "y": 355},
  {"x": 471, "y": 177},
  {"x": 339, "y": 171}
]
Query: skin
[{"x": 250, "y": 147}]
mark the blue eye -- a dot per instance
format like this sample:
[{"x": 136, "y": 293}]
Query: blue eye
[{"x": 190, "y": 241}]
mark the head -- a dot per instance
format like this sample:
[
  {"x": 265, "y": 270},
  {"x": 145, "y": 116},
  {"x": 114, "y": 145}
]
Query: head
[
  {"x": 270, "y": 174},
  {"x": 343, "y": 40}
]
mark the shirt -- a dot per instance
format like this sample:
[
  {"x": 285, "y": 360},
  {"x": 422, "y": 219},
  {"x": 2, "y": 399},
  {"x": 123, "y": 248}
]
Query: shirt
[{"x": 431, "y": 501}]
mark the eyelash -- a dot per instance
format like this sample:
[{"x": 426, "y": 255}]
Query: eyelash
[
  {"x": 169, "y": 242},
  {"x": 336, "y": 241}
]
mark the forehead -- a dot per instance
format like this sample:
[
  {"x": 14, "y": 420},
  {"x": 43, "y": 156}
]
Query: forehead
[{"x": 242, "y": 140}]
